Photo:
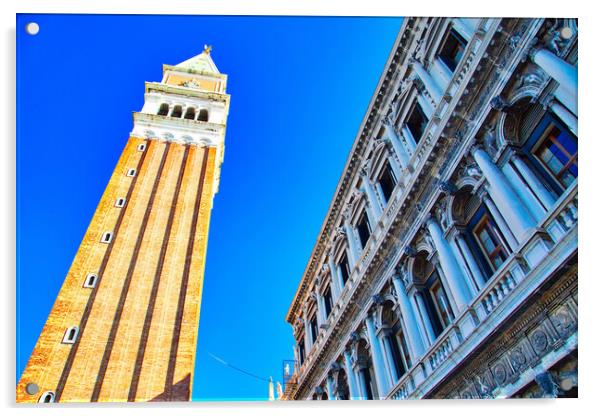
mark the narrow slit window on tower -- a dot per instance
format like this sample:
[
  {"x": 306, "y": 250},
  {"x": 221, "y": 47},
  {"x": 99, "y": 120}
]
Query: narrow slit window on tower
[
  {"x": 107, "y": 237},
  {"x": 70, "y": 335},
  {"x": 141, "y": 147},
  {"x": 163, "y": 109},
  {"x": 47, "y": 397},
  {"x": 131, "y": 172},
  {"x": 203, "y": 115},
  {"x": 120, "y": 202},
  {"x": 177, "y": 111},
  {"x": 91, "y": 280},
  {"x": 189, "y": 113}
]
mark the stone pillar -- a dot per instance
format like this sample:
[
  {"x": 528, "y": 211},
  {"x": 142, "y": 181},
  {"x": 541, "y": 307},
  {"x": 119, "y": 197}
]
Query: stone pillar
[
  {"x": 378, "y": 362},
  {"x": 523, "y": 191},
  {"x": 335, "y": 279},
  {"x": 541, "y": 192},
  {"x": 471, "y": 262},
  {"x": 410, "y": 323},
  {"x": 320, "y": 314},
  {"x": 375, "y": 210},
  {"x": 565, "y": 115},
  {"x": 427, "y": 327},
  {"x": 352, "y": 243},
  {"x": 395, "y": 140},
  {"x": 562, "y": 72},
  {"x": 428, "y": 81},
  {"x": 385, "y": 334},
  {"x": 351, "y": 377},
  {"x": 330, "y": 388},
  {"x": 451, "y": 268},
  {"x": 507, "y": 201},
  {"x": 500, "y": 221},
  {"x": 361, "y": 382}
]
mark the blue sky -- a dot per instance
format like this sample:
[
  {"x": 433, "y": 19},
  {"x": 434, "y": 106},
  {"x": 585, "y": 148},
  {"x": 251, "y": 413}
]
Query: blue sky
[{"x": 300, "y": 87}]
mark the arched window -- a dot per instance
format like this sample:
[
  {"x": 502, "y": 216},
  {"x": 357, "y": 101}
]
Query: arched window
[
  {"x": 440, "y": 313},
  {"x": 365, "y": 373},
  {"x": 189, "y": 113},
  {"x": 141, "y": 147},
  {"x": 484, "y": 240},
  {"x": 344, "y": 269},
  {"x": 47, "y": 397},
  {"x": 120, "y": 202},
  {"x": 91, "y": 280},
  {"x": 342, "y": 386},
  {"x": 203, "y": 115},
  {"x": 177, "y": 111},
  {"x": 70, "y": 335},
  {"x": 327, "y": 296},
  {"x": 554, "y": 150},
  {"x": 398, "y": 353},
  {"x": 163, "y": 109},
  {"x": 131, "y": 172},
  {"x": 301, "y": 346}
]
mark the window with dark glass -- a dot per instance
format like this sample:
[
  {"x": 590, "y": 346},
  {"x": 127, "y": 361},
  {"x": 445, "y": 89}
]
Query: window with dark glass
[
  {"x": 327, "y": 301},
  {"x": 387, "y": 182},
  {"x": 203, "y": 115},
  {"x": 452, "y": 49},
  {"x": 417, "y": 122},
  {"x": 189, "y": 113},
  {"x": 163, "y": 109},
  {"x": 344, "y": 268},
  {"x": 557, "y": 151},
  {"x": 363, "y": 229},
  {"x": 404, "y": 349},
  {"x": 313, "y": 326},
  {"x": 490, "y": 241},
  {"x": 301, "y": 345},
  {"x": 398, "y": 365},
  {"x": 368, "y": 383},
  {"x": 177, "y": 111},
  {"x": 442, "y": 305}
]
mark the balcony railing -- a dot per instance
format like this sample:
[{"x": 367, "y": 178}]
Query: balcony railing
[{"x": 526, "y": 269}]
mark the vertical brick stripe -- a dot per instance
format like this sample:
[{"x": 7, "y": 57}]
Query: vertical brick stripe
[
  {"x": 169, "y": 378},
  {"x": 156, "y": 281},
  {"x": 90, "y": 303},
  {"x": 124, "y": 291}
]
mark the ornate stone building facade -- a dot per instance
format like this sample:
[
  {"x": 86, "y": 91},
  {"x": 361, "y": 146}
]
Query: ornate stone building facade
[
  {"x": 125, "y": 323},
  {"x": 446, "y": 266}
]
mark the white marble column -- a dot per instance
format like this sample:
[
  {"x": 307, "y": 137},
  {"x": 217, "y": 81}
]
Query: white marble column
[
  {"x": 335, "y": 280},
  {"x": 378, "y": 362},
  {"x": 451, "y": 268},
  {"x": 385, "y": 334},
  {"x": 330, "y": 388},
  {"x": 524, "y": 191},
  {"x": 374, "y": 208},
  {"x": 395, "y": 140},
  {"x": 320, "y": 315},
  {"x": 543, "y": 194},
  {"x": 428, "y": 81},
  {"x": 427, "y": 326},
  {"x": 471, "y": 262},
  {"x": 500, "y": 221},
  {"x": 410, "y": 323},
  {"x": 351, "y": 377},
  {"x": 565, "y": 115},
  {"x": 361, "y": 382},
  {"x": 563, "y": 72},
  {"x": 352, "y": 243},
  {"x": 507, "y": 201}
]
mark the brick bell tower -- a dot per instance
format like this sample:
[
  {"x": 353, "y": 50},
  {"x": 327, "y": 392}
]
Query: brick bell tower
[{"x": 124, "y": 325}]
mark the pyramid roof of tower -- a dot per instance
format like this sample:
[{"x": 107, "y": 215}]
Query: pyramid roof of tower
[{"x": 200, "y": 63}]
